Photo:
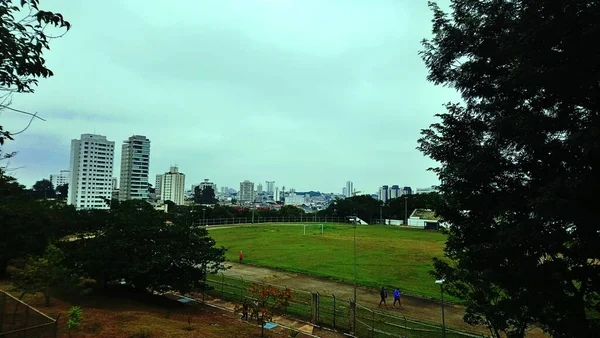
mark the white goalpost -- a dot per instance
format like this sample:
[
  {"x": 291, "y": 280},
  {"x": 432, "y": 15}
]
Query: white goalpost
[{"x": 305, "y": 225}]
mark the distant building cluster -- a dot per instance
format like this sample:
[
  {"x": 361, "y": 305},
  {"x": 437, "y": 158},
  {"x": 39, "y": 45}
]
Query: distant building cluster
[
  {"x": 387, "y": 193},
  {"x": 92, "y": 185}
]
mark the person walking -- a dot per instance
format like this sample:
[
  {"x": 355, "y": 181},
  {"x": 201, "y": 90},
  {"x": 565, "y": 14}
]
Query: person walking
[
  {"x": 245, "y": 307},
  {"x": 241, "y": 256},
  {"x": 383, "y": 295},
  {"x": 397, "y": 294}
]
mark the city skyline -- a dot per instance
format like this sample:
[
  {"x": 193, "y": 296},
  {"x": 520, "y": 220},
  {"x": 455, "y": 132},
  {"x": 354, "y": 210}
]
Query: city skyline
[{"x": 337, "y": 103}]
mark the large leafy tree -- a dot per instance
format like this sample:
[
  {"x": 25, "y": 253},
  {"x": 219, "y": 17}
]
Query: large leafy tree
[
  {"x": 519, "y": 161},
  {"x": 204, "y": 196},
  {"x": 43, "y": 189},
  {"x": 23, "y": 40},
  {"x": 136, "y": 244},
  {"x": 27, "y": 225}
]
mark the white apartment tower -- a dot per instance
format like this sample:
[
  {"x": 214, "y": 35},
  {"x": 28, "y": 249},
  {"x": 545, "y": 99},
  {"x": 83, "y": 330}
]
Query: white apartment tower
[
  {"x": 172, "y": 186},
  {"x": 349, "y": 189},
  {"x": 246, "y": 193},
  {"x": 270, "y": 186},
  {"x": 60, "y": 179},
  {"x": 90, "y": 185},
  {"x": 135, "y": 163},
  {"x": 157, "y": 184}
]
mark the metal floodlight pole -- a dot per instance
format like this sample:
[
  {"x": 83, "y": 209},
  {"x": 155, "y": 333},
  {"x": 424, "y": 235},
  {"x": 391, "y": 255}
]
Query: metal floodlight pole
[
  {"x": 354, "y": 312},
  {"x": 441, "y": 283},
  {"x": 405, "y": 210}
]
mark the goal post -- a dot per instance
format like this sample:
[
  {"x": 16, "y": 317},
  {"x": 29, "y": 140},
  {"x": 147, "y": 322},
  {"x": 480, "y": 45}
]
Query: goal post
[{"x": 305, "y": 225}]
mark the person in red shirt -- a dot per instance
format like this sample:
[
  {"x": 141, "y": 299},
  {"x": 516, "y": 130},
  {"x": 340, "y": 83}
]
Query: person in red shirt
[{"x": 241, "y": 256}]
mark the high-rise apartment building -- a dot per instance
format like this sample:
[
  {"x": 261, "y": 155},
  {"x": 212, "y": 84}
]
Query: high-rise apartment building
[
  {"x": 407, "y": 191},
  {"x": 157, "y": 184},
  {"x": 135, "y": 163},
  {"x": 172, "y": 186},
  {"x": 246, "y": 193},
  {"x": 344, "y": 192},
  {"x": 204, "y": 185},
  {"x": 384, "y": 193},
  {"x": 270, "y": 186},
  {"x": 259, "y": 188},
  {"x": 395, "y": 192},
  {"x": 61, "y": 178},
  {"x": 90, "y": 184},
  {"x": 349, "y": 189},
  {"x": 276, "y": 195}
]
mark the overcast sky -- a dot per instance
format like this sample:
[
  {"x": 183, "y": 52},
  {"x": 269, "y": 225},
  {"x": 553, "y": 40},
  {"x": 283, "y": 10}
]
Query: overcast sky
[{"x": 309, "y": 94}]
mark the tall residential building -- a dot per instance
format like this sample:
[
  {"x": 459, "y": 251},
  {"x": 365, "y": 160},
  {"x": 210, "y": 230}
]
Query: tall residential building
[
  {"x": 349, "y": 189},
  {"x": 135, "y": 163},
  {"x": 384, "y": 193},
  {"x": 270, "y": 186},
  {"x": 246, "y": 193},
  {"x": 259, "y": 189},
  {"x": 90, "y": 184},
  {"x": 60, "y": 179},
  {"x": 407, "y": 191},
  {"x": 395, "y": 192},
  {"x": 114, "y": 183},
  {"x": 172, "y": 186},
  {"x": 276, "y": 195},
  {"x": 344, "y": 192},
  {"x": 157, "y": 184}
]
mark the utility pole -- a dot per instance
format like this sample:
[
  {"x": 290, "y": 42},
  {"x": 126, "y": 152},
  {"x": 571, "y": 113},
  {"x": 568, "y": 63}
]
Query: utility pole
[
  {"x": 354, "y": 312},
  {"x": 380, "y": 214},
  {"x": 405, "y": 210},
  {"x": 252, "y": 215}
]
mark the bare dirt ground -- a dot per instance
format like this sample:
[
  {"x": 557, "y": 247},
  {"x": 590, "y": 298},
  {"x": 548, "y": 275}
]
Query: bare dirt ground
[{"x": 416, "y": 308}]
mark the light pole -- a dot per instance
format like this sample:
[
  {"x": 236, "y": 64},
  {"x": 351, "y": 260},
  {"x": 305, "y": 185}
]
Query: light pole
[
  {"x": 380, "y": 214},
  {"x": 203, "y": 222},
  {"x": 354, "y": 312},
  {"x": 405, "y": 210},
  {"x": 441, "y": 283},
  {"x": 252, "y": 215}
]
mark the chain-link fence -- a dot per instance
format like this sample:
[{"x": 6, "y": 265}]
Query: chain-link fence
[
  {"x": 17, "y": 319},
  {"x": 331, "y": 312},
  {"x": 259, "y": 220}
]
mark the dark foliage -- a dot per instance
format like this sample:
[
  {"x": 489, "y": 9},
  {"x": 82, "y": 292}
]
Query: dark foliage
[{"x": 519, "y": 161}]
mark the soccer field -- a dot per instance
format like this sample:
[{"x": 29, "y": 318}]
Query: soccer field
[{"x": 386, "y": 255}]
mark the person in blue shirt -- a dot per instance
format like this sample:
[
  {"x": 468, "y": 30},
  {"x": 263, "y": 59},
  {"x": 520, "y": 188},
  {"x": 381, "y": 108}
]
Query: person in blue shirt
[{"x": 397, "y": 298}]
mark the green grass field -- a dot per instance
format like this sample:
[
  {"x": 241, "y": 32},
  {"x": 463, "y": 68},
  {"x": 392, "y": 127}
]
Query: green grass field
[{"x": 391, "y": 256}]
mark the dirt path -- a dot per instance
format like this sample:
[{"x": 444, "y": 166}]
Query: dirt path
[{"x": 416, "y": 308}]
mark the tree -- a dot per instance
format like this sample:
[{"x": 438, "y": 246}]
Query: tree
[
  {"x": 23, "y": 40},
  {"x": 43, "y": 189},
  {"x": 365, "y": 207},
  {"x": 290, "y": 211},
  {"x": 25, "y": 226},
  {"x": 44, "y": 274},
  {"x": 63, "y": 191},
  {"x": 279, "y": 300},
  {"x": 136, "y": 244},
  {"x": 519, "y": 161},
  {"x": 204, "y": 196}
]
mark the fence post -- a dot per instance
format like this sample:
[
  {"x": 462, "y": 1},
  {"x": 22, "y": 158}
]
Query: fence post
[
  {"x": 333, "y": 296},
  {"x": 318, "y": 306},
  {"x": 351, "y": 313},
  {"x": 26, "y": 321},
  {"x": 2, "y": 310},
  {"x": 372, "y": 324},
  {"x": 222, "y": 283},
  {"x": 56, "y": 326}
]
